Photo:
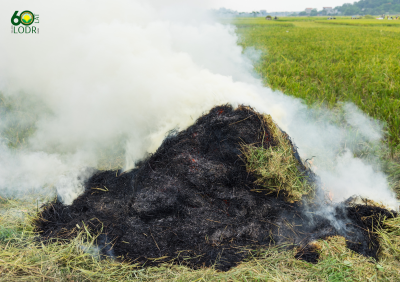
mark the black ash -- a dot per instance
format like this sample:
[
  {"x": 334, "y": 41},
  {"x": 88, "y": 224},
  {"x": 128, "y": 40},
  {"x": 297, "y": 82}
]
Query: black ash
[{"x": 193, "y": 202}]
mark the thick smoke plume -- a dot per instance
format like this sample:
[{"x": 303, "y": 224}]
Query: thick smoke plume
[{"x": 128, "y": 72}]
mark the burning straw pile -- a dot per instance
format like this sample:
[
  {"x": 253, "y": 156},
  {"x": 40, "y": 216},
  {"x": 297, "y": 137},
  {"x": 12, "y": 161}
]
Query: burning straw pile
[{"x": 229, "y": 184}]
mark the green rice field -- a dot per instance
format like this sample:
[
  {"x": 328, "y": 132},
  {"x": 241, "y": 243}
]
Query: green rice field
[
  {"x": 362, "y": 22},
  {"x": 324, "y": 62}
]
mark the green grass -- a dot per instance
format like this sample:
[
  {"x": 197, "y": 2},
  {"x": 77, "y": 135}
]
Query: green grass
[
  {"x": 21, "y": 124},
  {"x": 251, "y": 22},
  {"x": 308, "y": 19},
  {"x": 363, "y": 22},
  {"x": 282, "y": 21},
  {"x": 262, "y": 20},
  {"x": 323, "y": 63}
]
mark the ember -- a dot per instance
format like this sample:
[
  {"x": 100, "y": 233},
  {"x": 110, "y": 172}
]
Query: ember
[
  {"x": 330, "y": 195},
  {"x": 165, "y": 210}
]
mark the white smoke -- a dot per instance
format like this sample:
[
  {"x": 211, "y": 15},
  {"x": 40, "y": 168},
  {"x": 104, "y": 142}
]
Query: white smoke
[
  {"x": 107, "y": 71},
  {"x": 351, "y": 176}
]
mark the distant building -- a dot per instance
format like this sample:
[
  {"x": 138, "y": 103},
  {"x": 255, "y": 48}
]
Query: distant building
[
  {"x": 308, "y": 10},
  {"x": 263, "y": 12}
]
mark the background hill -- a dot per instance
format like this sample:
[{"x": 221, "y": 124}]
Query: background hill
[{"x": 371, "y": 7}]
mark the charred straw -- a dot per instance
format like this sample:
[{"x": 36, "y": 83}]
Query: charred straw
[{"x": 230, "y": 183}]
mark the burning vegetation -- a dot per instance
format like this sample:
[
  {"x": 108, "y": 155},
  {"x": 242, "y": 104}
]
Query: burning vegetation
[{"x": 210, "y": 195}]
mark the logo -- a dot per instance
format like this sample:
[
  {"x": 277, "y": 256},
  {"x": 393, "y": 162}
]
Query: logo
[{"x": 26, "y": 18}]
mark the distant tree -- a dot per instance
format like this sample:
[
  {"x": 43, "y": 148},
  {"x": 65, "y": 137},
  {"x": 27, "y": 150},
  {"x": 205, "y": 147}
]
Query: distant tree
[
  {"x": 314, "y": 13},
  {"x": 352, "y": 10},
  {"x": 396, "y": 8},
  {"x": 370, "y": 7},
  {"x": 303, "y": 13}
]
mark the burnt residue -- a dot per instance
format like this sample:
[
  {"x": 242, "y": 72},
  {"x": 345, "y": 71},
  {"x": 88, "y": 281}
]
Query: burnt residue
[
  {"x": 193, "y": 202},
  {"x": 309, "y": 253},
  {"x": 357, "y": 223}
]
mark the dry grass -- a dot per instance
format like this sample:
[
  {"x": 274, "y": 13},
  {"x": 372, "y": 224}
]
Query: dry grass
[
  {"x": 276, "y": 167},
  {"x": 390, "y": 239},
  {"x": 22, "y": 258}
]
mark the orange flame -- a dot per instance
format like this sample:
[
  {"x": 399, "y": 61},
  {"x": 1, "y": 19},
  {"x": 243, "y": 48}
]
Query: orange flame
[{"x": 330, "y": 195}]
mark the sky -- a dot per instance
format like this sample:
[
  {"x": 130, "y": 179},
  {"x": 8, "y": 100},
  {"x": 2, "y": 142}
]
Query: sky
[{"x": 275, "y": 6}]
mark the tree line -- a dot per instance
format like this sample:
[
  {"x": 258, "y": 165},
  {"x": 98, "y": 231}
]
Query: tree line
[{"x": 370, "y": 7}]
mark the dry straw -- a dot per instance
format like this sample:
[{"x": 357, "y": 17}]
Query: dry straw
[{"x": 276, "y": 168}]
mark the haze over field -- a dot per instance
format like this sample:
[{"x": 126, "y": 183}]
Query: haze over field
[
  {"x": 256, "y": 5},
  {"x": 273, "y": 6},
  {"x": 101, "y": 72}
]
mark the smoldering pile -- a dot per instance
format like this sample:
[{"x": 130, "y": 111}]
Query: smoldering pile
[{"x": 194, "y": 201}]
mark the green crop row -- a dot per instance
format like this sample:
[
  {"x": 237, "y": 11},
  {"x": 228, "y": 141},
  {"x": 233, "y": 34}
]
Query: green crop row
[{"x": 363, "y": 22}]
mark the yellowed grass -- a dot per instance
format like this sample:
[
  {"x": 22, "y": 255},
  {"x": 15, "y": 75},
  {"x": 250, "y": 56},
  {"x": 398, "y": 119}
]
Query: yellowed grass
[{"x": 276, "y": 167}]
